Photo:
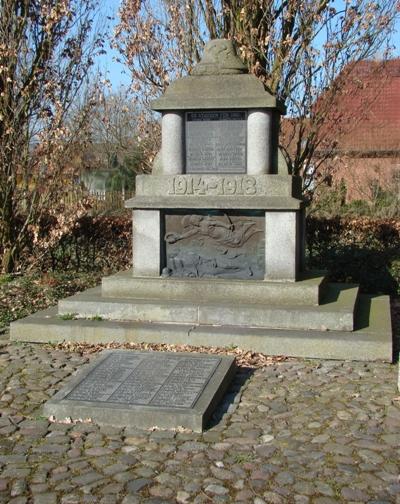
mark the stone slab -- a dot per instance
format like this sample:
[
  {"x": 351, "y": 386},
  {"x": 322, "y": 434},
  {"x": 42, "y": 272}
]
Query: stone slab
[
  {"x": 306, "y": 291},
  {"x": 216, "y": 92},
  {"x": 221, "y": 186},
  {"x": 211, "y": 202},
  {"x": 335, "y": 313},
  {"x": 90, "y": 304},
  {"x": 370, "y": 341},
  {"x": 145, "y": 389}
]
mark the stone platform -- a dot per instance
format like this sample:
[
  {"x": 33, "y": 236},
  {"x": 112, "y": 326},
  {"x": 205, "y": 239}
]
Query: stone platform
[{"x": 318, "y": 320}]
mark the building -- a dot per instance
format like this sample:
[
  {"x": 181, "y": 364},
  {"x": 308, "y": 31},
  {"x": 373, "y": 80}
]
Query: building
[{"x": 367, "y": 153}]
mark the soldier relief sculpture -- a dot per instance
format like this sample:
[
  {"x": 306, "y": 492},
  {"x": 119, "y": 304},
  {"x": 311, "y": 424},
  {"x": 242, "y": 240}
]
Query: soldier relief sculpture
[{"x": 201, "y": 245}]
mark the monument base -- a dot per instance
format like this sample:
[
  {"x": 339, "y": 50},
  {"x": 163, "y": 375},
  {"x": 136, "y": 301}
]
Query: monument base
[{"x": 331, "y": 321}]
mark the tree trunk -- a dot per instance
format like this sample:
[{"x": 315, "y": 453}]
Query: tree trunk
[
  {"x": 8, "y": 261},
  {"x": 8, "y": 242}
]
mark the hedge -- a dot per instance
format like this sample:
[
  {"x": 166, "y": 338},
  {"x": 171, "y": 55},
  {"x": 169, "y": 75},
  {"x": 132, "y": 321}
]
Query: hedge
[{"x": 360, "y": 250}]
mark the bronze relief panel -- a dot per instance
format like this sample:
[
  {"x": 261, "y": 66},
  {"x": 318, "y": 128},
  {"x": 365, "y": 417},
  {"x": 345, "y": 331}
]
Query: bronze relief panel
[{"x": 214, "y": 244}]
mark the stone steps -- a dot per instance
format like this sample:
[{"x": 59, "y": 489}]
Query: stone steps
[
  {"x": 335, "y": 313},
  {"x": 370, "y": 341},
  {"x": 306, "y": 291}
]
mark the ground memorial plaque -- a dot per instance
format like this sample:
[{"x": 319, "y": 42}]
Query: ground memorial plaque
[
  {"x": 145, "y": 389},
  {"x": 216, "y": 142}
]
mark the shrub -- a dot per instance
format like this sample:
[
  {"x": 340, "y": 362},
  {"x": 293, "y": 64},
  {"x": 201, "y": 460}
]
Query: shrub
[
  {"x": 91, "y": 243},
  {"x": 360, "y": 250}
]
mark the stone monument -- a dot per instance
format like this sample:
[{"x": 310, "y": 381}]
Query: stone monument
[{"x": 218, "y": 240}]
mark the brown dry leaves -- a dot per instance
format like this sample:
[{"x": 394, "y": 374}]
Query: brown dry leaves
[
  {"x": 27, "y": 294},
  {"x": 244, "y": 359}
]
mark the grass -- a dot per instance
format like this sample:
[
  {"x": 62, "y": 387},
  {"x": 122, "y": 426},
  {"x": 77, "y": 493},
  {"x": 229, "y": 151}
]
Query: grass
[
  {"x": 5, "y": 279},
  {"x": 242, "y": 458},
  {"x": 68, "y": 316},
  {"x": 231, "y": 347}
]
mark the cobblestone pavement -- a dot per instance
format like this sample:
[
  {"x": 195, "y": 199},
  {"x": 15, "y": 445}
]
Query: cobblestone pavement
[{"x": 299, "y": 431}]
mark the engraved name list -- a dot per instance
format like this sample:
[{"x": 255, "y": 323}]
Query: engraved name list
[{"x": 216, "y": 142}]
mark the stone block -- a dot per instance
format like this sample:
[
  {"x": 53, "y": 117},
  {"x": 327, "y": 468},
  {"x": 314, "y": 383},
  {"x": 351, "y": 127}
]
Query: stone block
[
  {"x": 332, "y": 316},
  {"x": 216, "y": 92},
  {"x": 306, "y": 291},
  {"x": 91, "y": 305},
  {"x": 146, "y": 242},
  {"x": 201, "y": 186},
  {"x": 336, "y": 312},
  {"x": 281, "y": 246},
  {"x": 145, "y": 390}
]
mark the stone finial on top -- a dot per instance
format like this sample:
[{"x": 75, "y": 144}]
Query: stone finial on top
[{"x": 219, "y": 58}]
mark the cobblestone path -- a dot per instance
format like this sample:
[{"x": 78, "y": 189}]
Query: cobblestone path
[{"x": 299, "y": 431}]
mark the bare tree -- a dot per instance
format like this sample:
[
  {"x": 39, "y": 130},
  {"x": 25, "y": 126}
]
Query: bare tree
[
  {"x": 116, "y": 128},
  {"x": 121, "y": 144},
  {"x": 302, "y": 50},
  {"x": 47, "y": 49}
]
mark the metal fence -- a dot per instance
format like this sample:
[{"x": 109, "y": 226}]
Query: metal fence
[{"x": 100, "y": 201}]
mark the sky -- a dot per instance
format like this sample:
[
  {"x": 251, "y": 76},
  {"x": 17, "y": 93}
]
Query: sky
[{"x": 118, "y": 74}]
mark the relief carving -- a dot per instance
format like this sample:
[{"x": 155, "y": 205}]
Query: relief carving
[
  {"x": 232, "y": 235},
  {"x": 202, "y": 245}
]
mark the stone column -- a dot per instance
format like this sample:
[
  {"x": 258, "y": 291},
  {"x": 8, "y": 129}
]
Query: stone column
[
  {"x": 172, "y": 143},
  {"x": 281, "y": 247},
  {"x": 259, "y": 142},
  {"x": 146, "y": 242}
]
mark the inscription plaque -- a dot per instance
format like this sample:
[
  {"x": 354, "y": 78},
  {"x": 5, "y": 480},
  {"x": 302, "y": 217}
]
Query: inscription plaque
[
  {"x": 146, "y": 379},
  {"x": 195, "y": 185},
  {"x": 216, "y": 141},
  {"x": 145, "y": 389}
]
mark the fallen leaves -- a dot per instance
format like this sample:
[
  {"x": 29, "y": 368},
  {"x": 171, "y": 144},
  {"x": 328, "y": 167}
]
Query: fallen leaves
[
  {"x": 69, "y": 420},
  {"x": 244, "y": 358},
  {"x": 27, "y": 294}
]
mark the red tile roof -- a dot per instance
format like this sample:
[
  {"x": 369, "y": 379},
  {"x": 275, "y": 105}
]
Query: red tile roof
[{"x": 371, "y": 100}]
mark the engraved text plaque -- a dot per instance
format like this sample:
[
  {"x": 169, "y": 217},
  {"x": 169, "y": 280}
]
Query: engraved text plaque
[
  {"x": 216, "y": 141},
  {"x": 146, "y": 379},
  {"x": 150, "y": 390}
]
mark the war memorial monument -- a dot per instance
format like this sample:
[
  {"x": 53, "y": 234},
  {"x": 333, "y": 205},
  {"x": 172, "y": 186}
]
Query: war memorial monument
[{"x": 218, "y": 243}]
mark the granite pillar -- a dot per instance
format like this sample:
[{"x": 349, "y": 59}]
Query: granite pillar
[
  {"x": 172, "y": 143},
  {"x": 259, "y": 142}
]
